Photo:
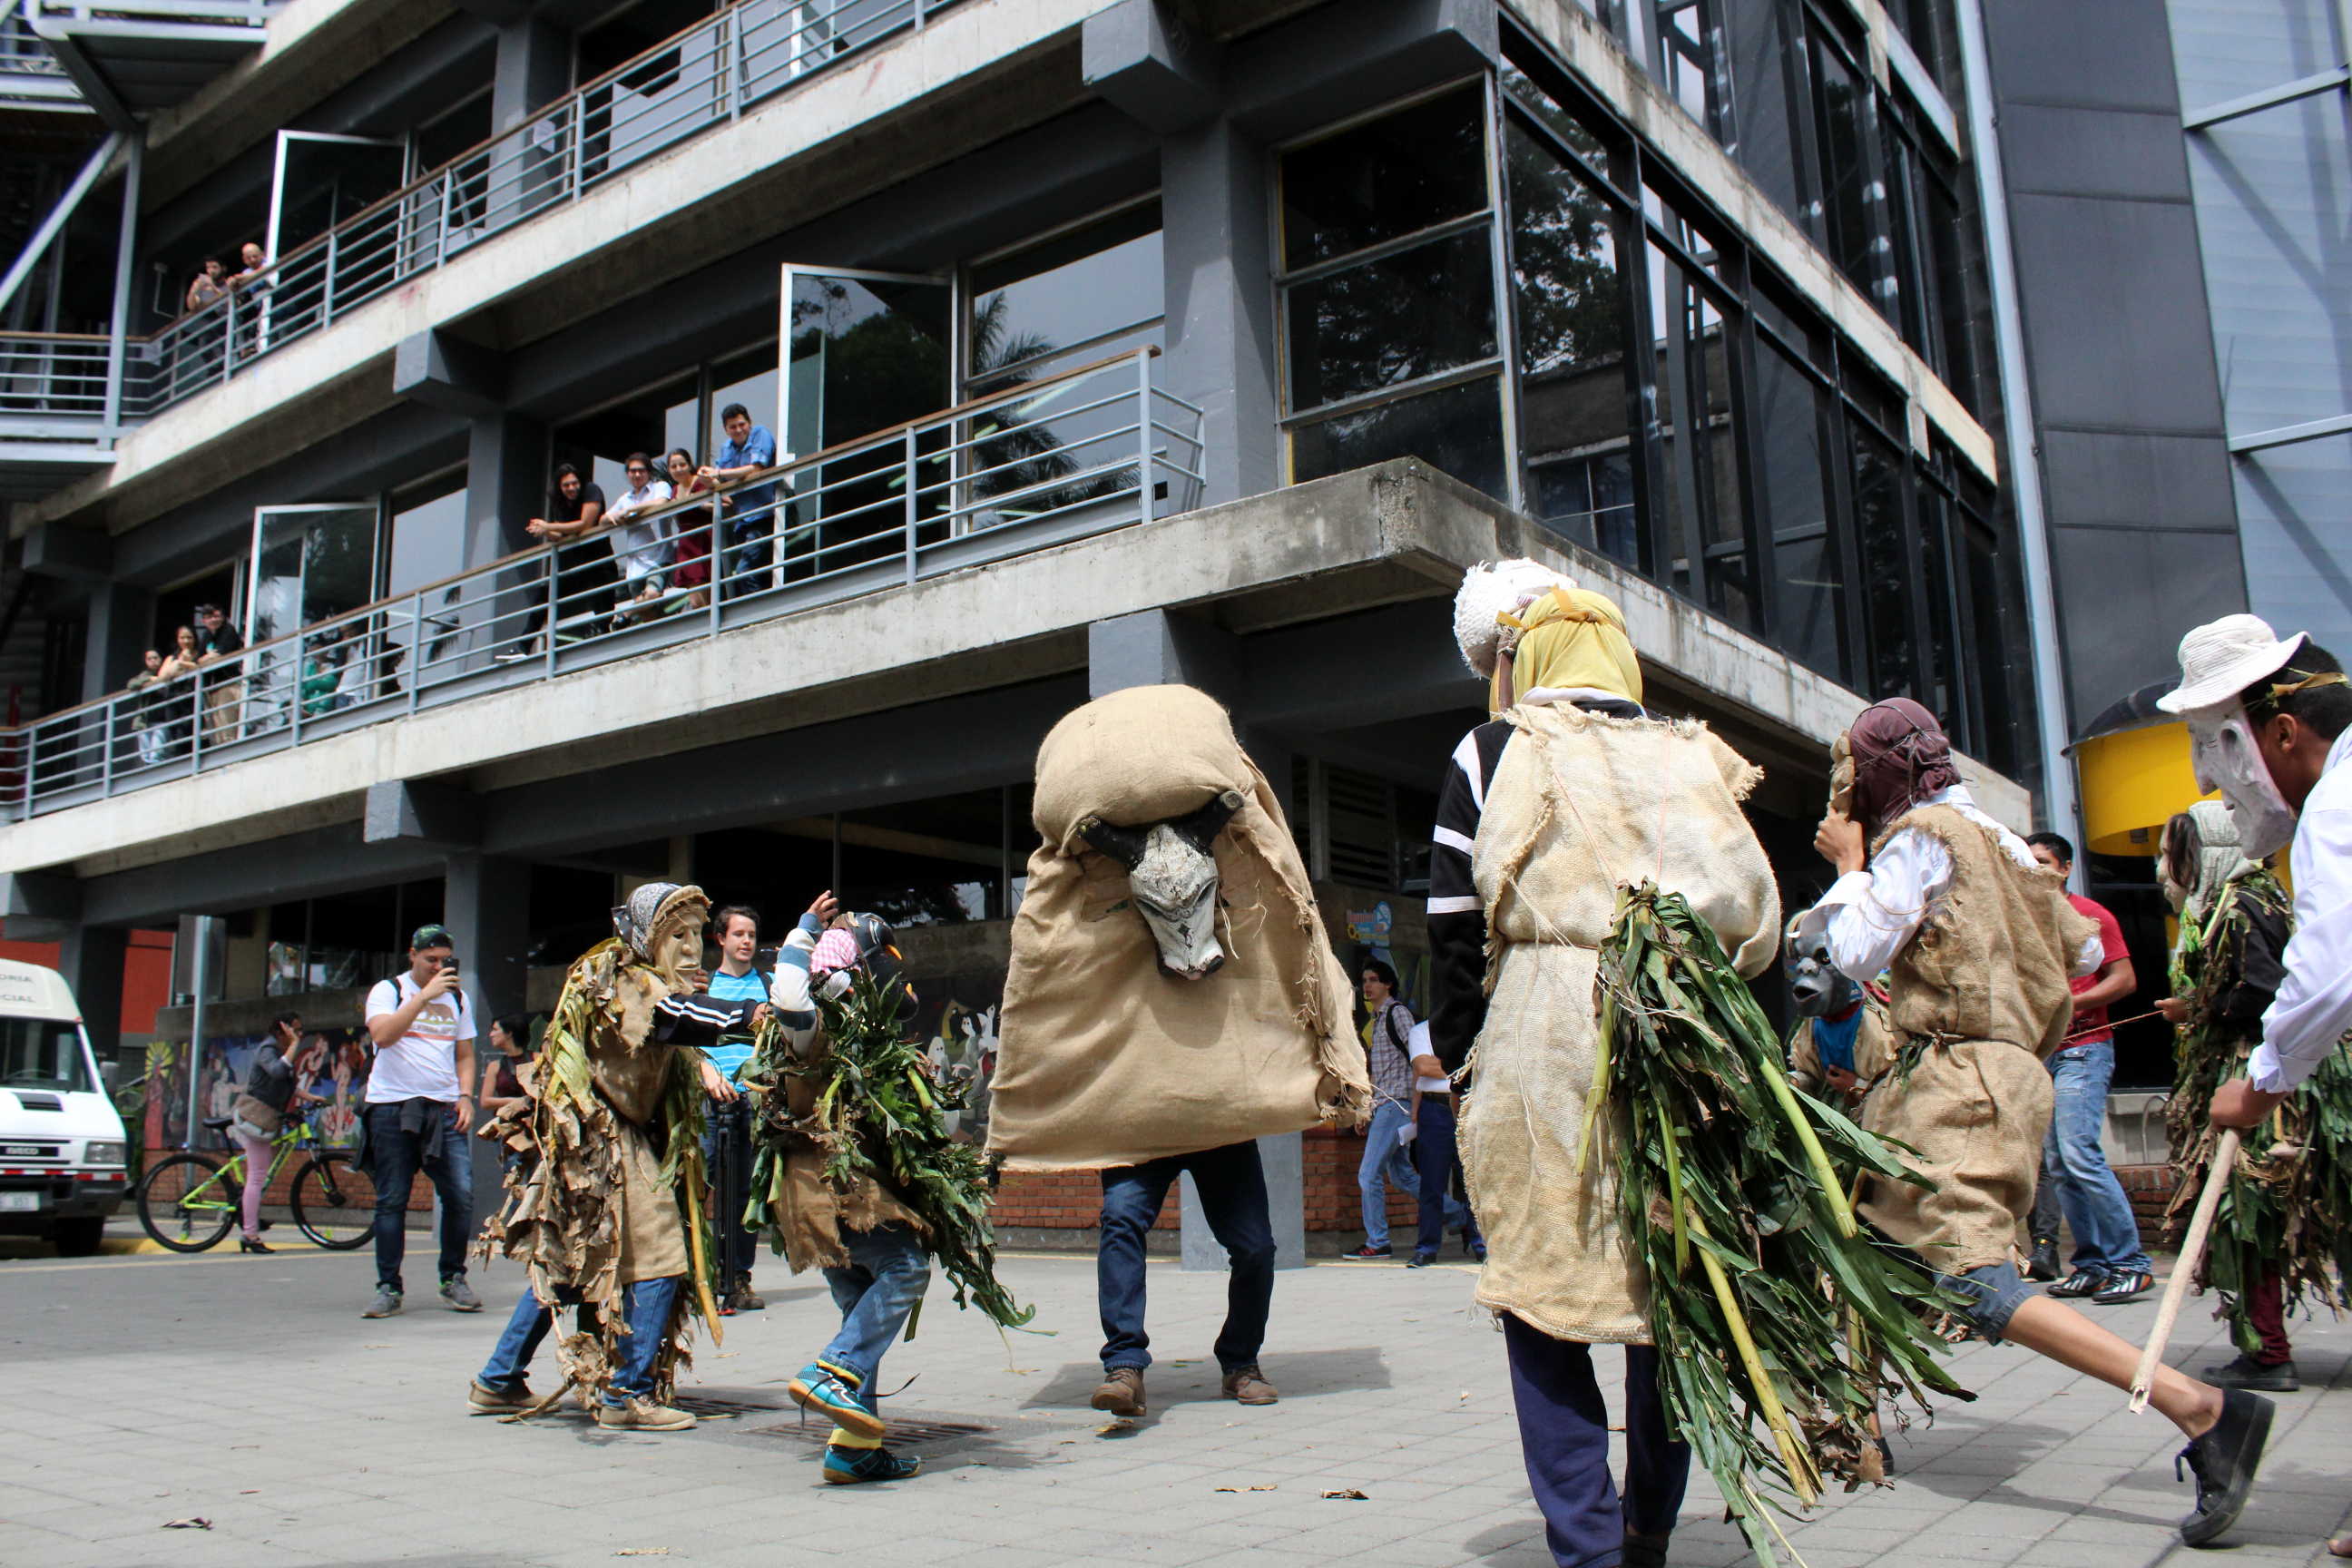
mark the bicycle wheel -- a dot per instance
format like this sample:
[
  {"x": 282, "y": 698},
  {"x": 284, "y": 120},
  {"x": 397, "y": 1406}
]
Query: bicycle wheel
[
  {"x": 334, "y": 1202},
  {"x": 186, "y": 1204}
]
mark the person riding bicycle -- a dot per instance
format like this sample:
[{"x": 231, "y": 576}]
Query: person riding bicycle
[{"x": 270, "y": 1091}]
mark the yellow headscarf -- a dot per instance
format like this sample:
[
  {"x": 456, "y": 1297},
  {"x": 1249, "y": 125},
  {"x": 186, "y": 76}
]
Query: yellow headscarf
[{"x": 1570, "y": 636}]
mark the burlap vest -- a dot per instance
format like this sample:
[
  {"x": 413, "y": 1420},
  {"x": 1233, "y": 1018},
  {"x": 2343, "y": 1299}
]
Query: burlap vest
[{"x": 1992, "y": 961}]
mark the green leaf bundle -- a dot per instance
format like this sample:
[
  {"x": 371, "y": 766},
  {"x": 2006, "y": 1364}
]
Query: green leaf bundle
[
  {"x": 1780, "y": 1322},
  {"x": 2287, "y": 1210},
  {"x": 880, "y": 1117}
]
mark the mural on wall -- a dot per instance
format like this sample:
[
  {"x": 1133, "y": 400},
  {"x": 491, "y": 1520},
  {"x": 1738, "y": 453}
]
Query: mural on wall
[
  {"x": 959, "y": 1019},
  {"x": 333, "y": 1067}
]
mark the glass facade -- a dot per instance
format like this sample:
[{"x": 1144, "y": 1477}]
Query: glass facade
[{"x": 1502, "y": 279}]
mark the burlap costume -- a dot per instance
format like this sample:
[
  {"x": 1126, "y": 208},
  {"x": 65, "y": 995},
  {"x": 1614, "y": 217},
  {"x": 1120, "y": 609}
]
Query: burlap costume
[
  {"x": 1873, "y": 1051},
  {"x": 805, "y": 1212},
  {"x": 1104, "y": 1060},
  {"x": 1579, "y": 805},
  {"x": 1979, "y": 998}
]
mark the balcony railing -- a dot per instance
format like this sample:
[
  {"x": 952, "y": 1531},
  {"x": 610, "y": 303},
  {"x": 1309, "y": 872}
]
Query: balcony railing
[
  {"x": 1034, "y": 466},
  {"x": 704, "y": 76}
]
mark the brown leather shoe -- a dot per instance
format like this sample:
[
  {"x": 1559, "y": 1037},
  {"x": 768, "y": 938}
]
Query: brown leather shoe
[
  {"x": 1249, "y": 1385},
  {"x": 1121, "y": 1393}
]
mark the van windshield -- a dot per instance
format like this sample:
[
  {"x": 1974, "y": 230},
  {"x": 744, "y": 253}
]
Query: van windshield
[{"x": 45, "y": 1054}]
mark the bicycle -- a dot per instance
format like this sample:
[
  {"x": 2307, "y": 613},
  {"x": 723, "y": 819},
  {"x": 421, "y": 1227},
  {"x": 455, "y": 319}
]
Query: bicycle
[{"x": 189, "y": 1202}]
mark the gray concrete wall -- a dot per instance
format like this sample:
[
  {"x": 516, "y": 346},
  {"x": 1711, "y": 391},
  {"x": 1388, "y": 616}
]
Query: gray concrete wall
[
  {"x": 2273, "y": 193},
  {"x": 2128, "y": 409}
]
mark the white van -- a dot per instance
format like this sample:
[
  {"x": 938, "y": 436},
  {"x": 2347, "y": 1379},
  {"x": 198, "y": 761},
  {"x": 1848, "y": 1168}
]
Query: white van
[{"x": 61, "y": 1143}]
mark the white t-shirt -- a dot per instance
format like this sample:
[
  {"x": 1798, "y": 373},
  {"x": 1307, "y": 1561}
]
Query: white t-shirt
[
  {"x": 640, "y": 549},
  {"x": 1422, "y": 1047},
  {"x": 423, "y": 1063}
]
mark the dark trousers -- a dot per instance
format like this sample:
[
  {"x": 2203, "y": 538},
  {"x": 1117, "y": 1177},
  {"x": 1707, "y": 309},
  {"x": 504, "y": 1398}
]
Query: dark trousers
[
  {"x": 1231, "y": 1185},
  {"x": 2266, "y": 1311},
  {"x": 1439, "y": 1160},
  {"x": 437, "y": 1149},
  {"x": 1564, "y": 1437},
  {"x": 728, "y": 1148}
]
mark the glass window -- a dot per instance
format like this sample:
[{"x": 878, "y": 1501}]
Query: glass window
[
  {"x": 929, "y": 862},
  {"x": 1523, "y": 90},
  {"x": 749, "y": 379},
  {"x": 1809, "y": 588},
  {"x": 1590, "y": 500},
  {"x": 1458, "y": 429},
  {"x": 1699, "y": 472},
  {"x": 1886, "y": 557},
  {"x": 2003, "y": 696},
  {"x": 1396, "y": 319},
  {"x": 1393, "y": 176},
  {"x": 428, "y": 533},
  {"x": 1951, "y": 252},
  {"x": 1093, "y": 292},
  {"x": 1841, "y": 128},
  {"x": 1944, "y": 698},
  {"x": 1688, "y": 46},
  {"x": 45, "y": 1054}
]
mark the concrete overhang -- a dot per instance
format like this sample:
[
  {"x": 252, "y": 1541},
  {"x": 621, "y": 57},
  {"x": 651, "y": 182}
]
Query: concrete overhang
[{"x": 1397, "y": 533}]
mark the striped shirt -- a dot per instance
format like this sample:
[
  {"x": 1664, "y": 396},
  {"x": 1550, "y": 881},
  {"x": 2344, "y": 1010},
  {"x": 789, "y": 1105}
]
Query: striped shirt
[{"x": 1387, "y": 1043}]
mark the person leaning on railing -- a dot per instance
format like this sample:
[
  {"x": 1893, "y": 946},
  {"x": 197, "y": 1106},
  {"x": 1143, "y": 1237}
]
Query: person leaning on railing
[
  {"x": 224, "y": 701},
  {"x": 574, "y": 509},
  {"x": 176, "y": 725},
  {"x": 690, "y": 531}
]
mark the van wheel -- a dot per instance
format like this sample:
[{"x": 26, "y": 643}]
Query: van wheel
[{"x": 79, "y": 1238}]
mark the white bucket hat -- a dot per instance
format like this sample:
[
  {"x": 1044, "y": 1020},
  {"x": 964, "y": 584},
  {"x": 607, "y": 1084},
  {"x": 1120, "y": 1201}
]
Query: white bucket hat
[
  {"x": 1491, "y": 589},
  {"x": 2221, "y": 658}
]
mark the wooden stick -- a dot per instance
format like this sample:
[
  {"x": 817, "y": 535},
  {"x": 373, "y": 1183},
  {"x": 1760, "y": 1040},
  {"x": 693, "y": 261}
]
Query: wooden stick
[{"x": 2192, "y": 1254}]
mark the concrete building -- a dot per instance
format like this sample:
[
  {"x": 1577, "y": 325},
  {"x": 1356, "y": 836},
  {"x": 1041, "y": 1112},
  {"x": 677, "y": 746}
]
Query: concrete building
[{"x": 1101, "y": 341}]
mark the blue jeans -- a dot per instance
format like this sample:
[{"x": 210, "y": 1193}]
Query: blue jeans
[
  {"x": 1434, "y": 1150},
  {"x": 1231, "y": 1185},
  {"x": 1564, "y": 1439},
  {"x": 647, "y": 1302},
  {"x": 727, "y": 1156},
  {"x": 2106, "y": 1236},
  {"x": 886, "y": 1276},
  {"x": 1387, "y": 1167},
  {"x": 440, "y": 1151}
]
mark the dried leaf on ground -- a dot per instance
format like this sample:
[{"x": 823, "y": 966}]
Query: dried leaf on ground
[
  {"x": 643, "y": 1552},
  {"x": 1119, "y": 1428},
  {"x": 1347, "y": 1494},
  {"x": 1269, "y": 1487},
  {"x": 196, "y": 1523}
]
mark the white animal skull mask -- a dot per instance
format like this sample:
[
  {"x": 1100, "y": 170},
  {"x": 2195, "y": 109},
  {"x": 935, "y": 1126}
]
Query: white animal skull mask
[
  {"x": 2222, "y": 749},
  {"x": 1173, "y": 877}
]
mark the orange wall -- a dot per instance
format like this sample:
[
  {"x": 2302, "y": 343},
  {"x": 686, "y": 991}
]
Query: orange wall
[{"x": 146, "y": 974}]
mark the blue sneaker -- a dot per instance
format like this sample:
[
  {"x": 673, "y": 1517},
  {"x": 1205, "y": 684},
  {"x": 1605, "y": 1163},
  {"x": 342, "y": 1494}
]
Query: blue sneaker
[
  {"x": 833, "y": 1393},
  {"x": 848, "y": 1466}
]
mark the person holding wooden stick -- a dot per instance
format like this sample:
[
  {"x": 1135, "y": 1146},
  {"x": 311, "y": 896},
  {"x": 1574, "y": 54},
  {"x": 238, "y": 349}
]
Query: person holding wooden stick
[{"x": 1979, "y": 942}]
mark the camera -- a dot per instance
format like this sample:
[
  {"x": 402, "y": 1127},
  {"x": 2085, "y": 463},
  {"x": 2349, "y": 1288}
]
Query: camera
[{"x": 449, "y": 965}]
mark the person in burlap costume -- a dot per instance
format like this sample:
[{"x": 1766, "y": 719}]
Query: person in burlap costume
[
  {"x": 605, "y": 1206},
  {"x": 1979, "y": 942},
  {"x": 1172, "y": 997},
  {"x": 1570, "y": 792},
  {"x": 2281, "y": 1230},
  {"x": 1842, "y": 1042}
]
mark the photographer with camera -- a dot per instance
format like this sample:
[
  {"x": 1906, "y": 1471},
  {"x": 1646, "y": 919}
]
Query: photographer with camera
[{"x": 418, "y": 1111}]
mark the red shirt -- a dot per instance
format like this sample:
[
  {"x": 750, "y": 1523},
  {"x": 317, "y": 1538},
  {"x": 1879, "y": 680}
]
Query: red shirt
[{"x": 2090, "y": 1025}]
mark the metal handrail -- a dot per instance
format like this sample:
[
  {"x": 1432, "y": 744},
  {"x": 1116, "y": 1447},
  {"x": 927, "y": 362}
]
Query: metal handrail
[{"x": 1026, "y": 467}]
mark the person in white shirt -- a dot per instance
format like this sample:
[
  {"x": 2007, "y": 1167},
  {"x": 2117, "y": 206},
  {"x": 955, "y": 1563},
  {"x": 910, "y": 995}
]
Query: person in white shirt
[
  {"x": 1980, "y": 944},
  {"x": 641, "y": 547},
  {"x": 417, "y": 1114}
]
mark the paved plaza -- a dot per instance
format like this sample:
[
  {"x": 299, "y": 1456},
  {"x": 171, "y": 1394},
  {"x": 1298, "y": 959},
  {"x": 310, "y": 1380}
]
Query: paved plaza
[{"x": 248, "y": 1392}]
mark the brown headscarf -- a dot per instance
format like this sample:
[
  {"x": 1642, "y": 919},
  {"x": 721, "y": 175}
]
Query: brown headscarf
[{"x": 1901, "y": 756}]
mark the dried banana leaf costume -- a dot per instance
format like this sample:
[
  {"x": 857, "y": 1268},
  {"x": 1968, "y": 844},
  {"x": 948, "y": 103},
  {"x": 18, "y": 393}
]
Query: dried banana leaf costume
[
  {"x": 1979, "y": 942},
  {"x": 2284, "y": 1226},
  {"x": 1571, "y": 791},
  {"x": 604, "y": 1206}
]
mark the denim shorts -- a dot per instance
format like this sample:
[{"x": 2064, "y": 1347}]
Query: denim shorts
[{"x": 1997, "y": 1290}]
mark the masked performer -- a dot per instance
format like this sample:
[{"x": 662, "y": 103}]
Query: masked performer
[
  {"x": 604, "y": 1206},
  {"x": 1172, "y": 997},
  {"x": 1841, "y": 1043},
  {"x": 1572, "y": 789},
  {"x": 1980, "y": 944},
  {"x": 2280, "y": 1226}
]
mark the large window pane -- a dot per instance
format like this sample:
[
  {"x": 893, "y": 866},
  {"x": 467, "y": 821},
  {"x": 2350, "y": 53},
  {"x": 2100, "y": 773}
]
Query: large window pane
[
  {"x": 1458, "y": 429},
  {"x": 1571, "y": 337},
  {"x": 1886, "y": 558},
  {"x": 1841, "y": 128},
  {"x": 1525, "y": 91},
  {"x": 1943, "y": 698},
  {"x": 1699, "y": 482},
  {"x": 1412, "y": 314},
  {"x": 1809, "y": 587},
  {"x": 1402, "y": 172},
  {"x": 1688, "y": 52},
  {"x": 1076, "y": 298}
]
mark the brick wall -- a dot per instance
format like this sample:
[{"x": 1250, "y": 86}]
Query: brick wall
[
  {"x": 1071, "y": 1200},
  {"x": 2149, "y": 1188}
]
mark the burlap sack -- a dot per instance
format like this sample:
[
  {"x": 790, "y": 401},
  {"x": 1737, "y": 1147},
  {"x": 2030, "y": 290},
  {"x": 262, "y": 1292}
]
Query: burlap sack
[{"x": 1103, "y": 1059}]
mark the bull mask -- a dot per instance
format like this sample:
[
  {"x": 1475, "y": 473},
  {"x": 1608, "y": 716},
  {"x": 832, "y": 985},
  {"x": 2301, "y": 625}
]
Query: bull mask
[
  {"x": 1818, "y": 988},
  {"x": 1173, "y": 877}
]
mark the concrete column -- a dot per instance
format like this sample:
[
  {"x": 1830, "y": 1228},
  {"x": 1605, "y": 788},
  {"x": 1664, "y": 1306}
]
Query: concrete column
[
  {"x": 485, "y": 904},
  {"x": 1219, "y": 301},
  {"x": 121, "y": 616},
  {"x": 506, "y": 483},
  {"x": 91, "y": 958},
  {"x": 1285, "y": 1158},
  {"x": 533, "y": 70}
]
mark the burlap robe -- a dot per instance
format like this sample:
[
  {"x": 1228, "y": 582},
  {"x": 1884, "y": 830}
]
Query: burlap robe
[
  {"x": 1579, "y": 805},
  {"x": 1979, "y": 999},
  {"x": 807, "y": 1214},
  {"x": 1874, "y": 1052},
  {"x": 1103, "y": 1059}
]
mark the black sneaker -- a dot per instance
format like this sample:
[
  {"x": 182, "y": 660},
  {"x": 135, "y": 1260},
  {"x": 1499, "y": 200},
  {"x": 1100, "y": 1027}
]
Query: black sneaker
[
  {"x": 2120, "y": 1288},
  {"x": 2224, "y": 1461},
  {"x": 2082, "y": 1282},
  {"x": 2245, "y": 1372},
  {"x": 1421, "y": 1260},
  {"x": 1368, "y": 1252},
  {"x": 2041, "y": 1263}
]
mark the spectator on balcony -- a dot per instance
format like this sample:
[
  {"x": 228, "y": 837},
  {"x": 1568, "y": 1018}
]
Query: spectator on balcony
[
  {"x": 641, "y": 548},
  {"x": 146, "y": 729},
  {"x": 750, "y": 512},
  {"x": 208, "y": 285},
  {"x": 252, "y": 309},
  {"x": 218, "y": 642},
  {"x": 577, "y": 508},
  {"x": 174, "y": 711},
  {"x": 690, "y": 531}
]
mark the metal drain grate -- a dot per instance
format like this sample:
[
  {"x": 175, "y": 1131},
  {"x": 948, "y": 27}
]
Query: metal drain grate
[
  {"x": 914, "y": 1429},
  {"x": 711, "y": 1404}
]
